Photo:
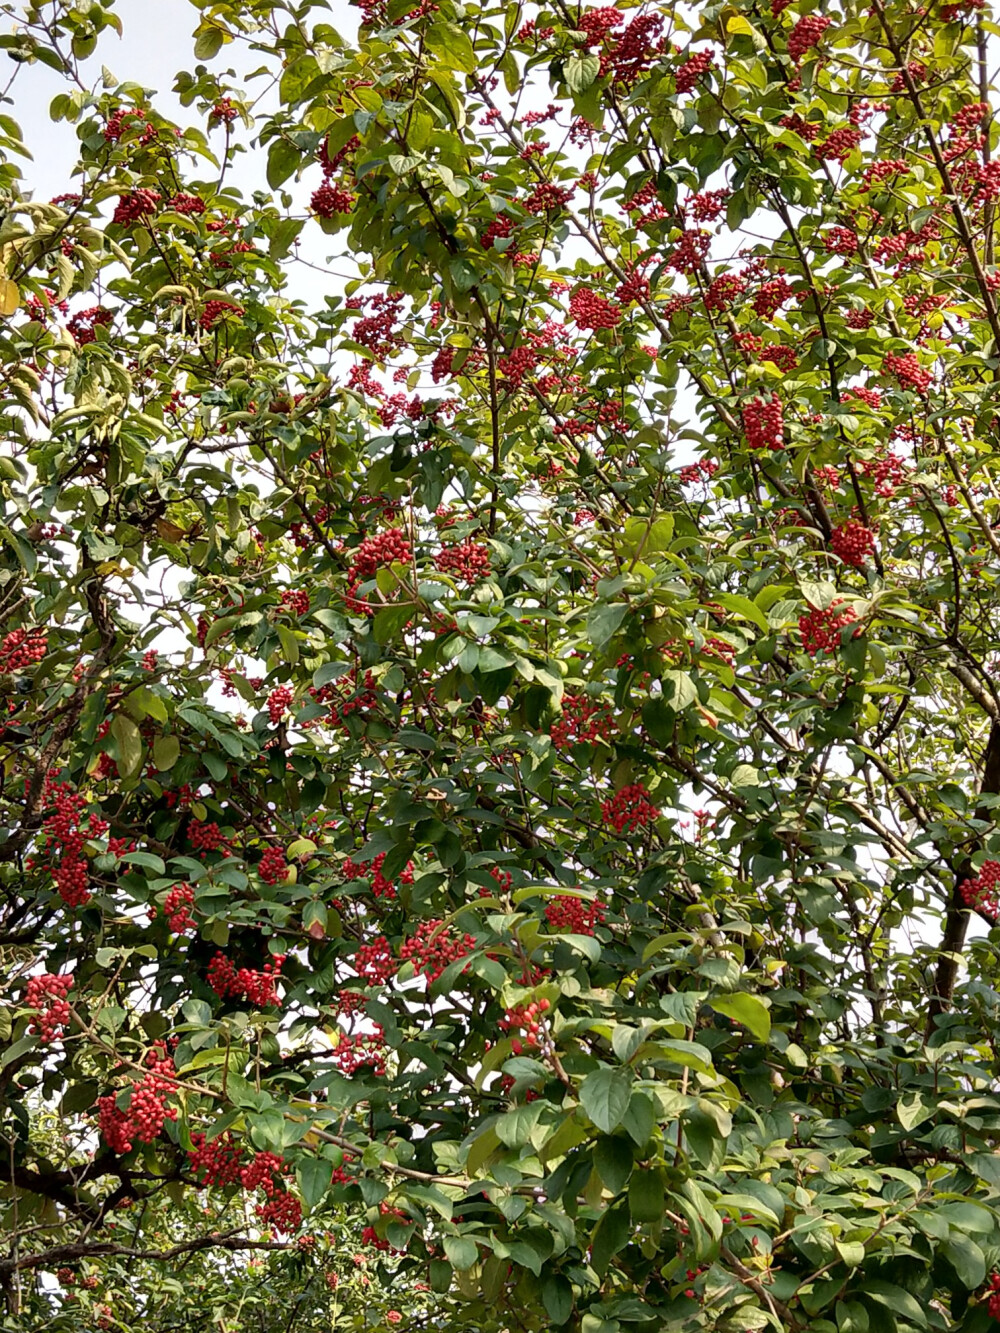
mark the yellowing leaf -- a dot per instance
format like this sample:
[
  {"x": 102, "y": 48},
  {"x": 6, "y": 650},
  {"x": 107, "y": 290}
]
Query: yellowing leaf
[{"x": 10, "y": 297}]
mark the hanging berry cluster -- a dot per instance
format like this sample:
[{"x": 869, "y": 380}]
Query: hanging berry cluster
[
  {"x": 23, "y": 648},
  {"x": 629, "y": 809},
  {"x": 982, "y": 893},
  {"x": 574, "y": 916},
  {"x": 61, "y": 845},
  {"x": 257, "y": 988},
  {"x": 433, "y": 948},
  {"x": 853, "y": 542},
  {"x": 142, "y": 1121},
  {"x": 820, "y": 630},
  {"x": 46, "y": 994}
]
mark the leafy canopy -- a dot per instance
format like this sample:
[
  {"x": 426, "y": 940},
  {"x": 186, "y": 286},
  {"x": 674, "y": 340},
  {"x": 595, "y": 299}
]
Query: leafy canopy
[{"x": 499, "y": 750}]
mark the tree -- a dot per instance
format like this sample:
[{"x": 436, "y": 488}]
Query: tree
[{"x": 501, "y": 750}]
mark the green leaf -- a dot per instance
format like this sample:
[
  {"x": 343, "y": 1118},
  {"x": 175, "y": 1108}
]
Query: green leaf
[
  {"x": 557, "y": 1297},
  {"x": 610, "y": 1235},
  {"x": 129, "y": 743},
  {"x": 166, "y": 752},
  {"x": 646, "y": 1197},
  {"x": 451, "y": 45},
  {"x": 580, "y": 71},
  {"x": 604, "y": 1095},
  {"x": 461, "y": 1251},
  {"x": 967, "y": 1259},
  {"x": 603, "y": 620},
  {"x": 747, "y": 1010},
  {"x": 896, "y": 1299},
  {"x": 313, "y": 1175},
  {"x": 613, "y": 1159}
]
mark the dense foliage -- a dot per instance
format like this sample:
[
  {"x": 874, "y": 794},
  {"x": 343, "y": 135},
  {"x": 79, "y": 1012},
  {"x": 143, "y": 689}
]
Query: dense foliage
[{"x": 501, "y": 747}]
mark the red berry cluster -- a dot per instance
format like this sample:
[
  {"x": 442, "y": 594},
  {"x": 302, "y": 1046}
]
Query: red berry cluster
[
  {"x": 582, "y": 721},
  {"x": 382, "y": 887},
  {"x": 329, "y": 200},
  {"x": 982, "y": 894},
  {"x": 223, "y": 112},
  {"x": 630, "y": 808},
  {"x": 131, "y": 207},
  {"x": 147, "y": 1109},
  {"x": 176, "y": 908},
  {"x": 433, "y": 948},
  {"x": 468, "y": 560},
  {"x": 723, "y": 291},
  {"x": 186, "y": 203},
  {"x": 360, "y": 1050},
  {"x": 283, "y": 1211},
  {"x": 23, "y": 648},
  {"x": 62, "y": 842},
  {"x": 84, "y": 322},
  {"x": 853, "y": 543},
  {"x": 375, "y": 962},
  {"x": 382, "y": 548},
  {"x": 692, "y": 70},
  {"x": 841, "y": 241},
  {"x": 278, "y": 702},
  {"x": 704, "y": 470},
  {"x": 216, "y": 310},
  {"x": 764, "y": 423},
  {"x": 207, "y": 837},
  {"x": 770, "y": 296},
  {"x": 115, "y": 127},
  {"x": 528, "y": 1018},
  {"x": 273, "y": 867},
  {"x": 258, "y": 988},
  {"x": 47, "y": 995},
  {"x": 592, "y": 311},
  {"x": 217, "y": 1162},
  {"x": 820, "y": 630},
  {"x": 806, "y": 33},
  {"x": 574, "y": 916},
  {"x": 296, "y": 601},
  {"x": 691, "y": 251},
  {"x": 517, "y": 363},
  {"x": 908, "y": 371},
  {"x": 836, "y": 147}
]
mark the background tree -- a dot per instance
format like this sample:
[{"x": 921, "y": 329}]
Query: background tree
[{"x": 501, "y": 751}]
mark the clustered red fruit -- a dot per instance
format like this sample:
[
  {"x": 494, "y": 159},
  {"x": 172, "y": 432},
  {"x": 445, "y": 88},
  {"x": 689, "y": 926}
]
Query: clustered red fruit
[
  {"x": 135, "y": 205},
  {"x": 143, "y": 1121},
  {"x": 257, "y": 988},
  {"x": 820, "y": 630},
  {"x": 62, "y": 842},
  {"x": 582, "y": 721},
  {"x": 375, "y": 961},
  {"x": 908, "y": 371},
  {"x": 216, "y": 310},
  {"x": 296, "y": 601},
  {"x": 273, "y": 868},
  {"x": 278, "y": 702},
  {"x": 806, "y": 33},
  {"x": 853, "y": 543},
  {"x": 23, "y": 648},
  {"x": 380, "y": 886},
  {"x": 687, "y": 76},
  {"x": 574, "y": 916},
  {"x": 361, "y": 1050},
  {"x": 838, "y": 145},
  {"x": 433, "y": 948},
  {"x": 764, "y": 424},
  {"x": 176, "y": 908},
  {"x": 329, "y": 200},
  {"x": 592, "y": 311},
  {"x": 47, "y": 995},
  {"x": 841, "y": 241},
  {"x": 186, "y": 203},
  {"x": 382, "y": 548},
  {"x": 691, "y": 250},
  {"x": 528, "y": 1018},
  {"x": 982, "y": 894},
  {"x": 770, "y": 296},
  {"x": 207, "y": 837},
  {"x": 468, "y": 560},
  {"x": 630, "y": 808},
  {"x": 217, "y": 1162}
]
